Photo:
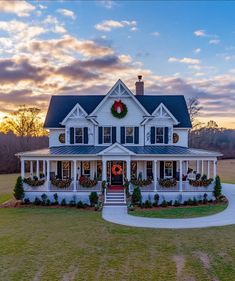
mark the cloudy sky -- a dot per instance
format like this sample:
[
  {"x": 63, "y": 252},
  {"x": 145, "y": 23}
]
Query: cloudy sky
[{"x": 83, "y": 47}]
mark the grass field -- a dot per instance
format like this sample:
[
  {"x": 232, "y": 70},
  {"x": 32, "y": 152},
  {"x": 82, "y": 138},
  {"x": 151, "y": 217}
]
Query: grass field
[
  {"x": 181, "y": 212},
  {"x": 43, "y": 244},
  {"x": 69, "y": 244}
]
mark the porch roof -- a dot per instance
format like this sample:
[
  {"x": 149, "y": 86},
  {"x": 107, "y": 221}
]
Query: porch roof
[{"x": 163, "y": 150}]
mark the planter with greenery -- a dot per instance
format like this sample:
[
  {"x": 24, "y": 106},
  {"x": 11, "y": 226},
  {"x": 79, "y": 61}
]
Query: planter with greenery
[
  {"x": 140, "y": 182},
  {"x": 61, "y": 183},
  {"x": 86, "y": 182},
  {"x": 34, "y": 182},
  {"x": 167, "y": 182},
  {"x": 201, "y": 182}
]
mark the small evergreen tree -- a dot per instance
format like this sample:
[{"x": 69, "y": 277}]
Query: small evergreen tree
[
  {"x": 217, "y": 187},
  {"x": 19, "y": 190},
  {"x": 136, "y": 196},
  {"x": 93, "y": 197}
]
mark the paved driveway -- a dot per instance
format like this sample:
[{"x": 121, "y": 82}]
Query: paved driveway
[{"x": 119, "y": 215}]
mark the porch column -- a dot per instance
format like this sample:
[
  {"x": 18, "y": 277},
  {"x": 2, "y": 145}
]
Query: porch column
[
  {"x": 104, "y": 170},
  {"x": 197, "y": 166},
  {"x": 74, "y": 175},
  {"x": 48, "y": 175},
  {"x": 214, "y": 169},
  {"x": 181, "y": 175},
  {"x": 31, "y": 169},
  {"x": 186, "y": 167},
  {"x": 128, "y": 170},
  {"x": 44, "y": 168},
  {"x": 22, "y": 168},
  {"x": 202, "y": 172},
  {"x": 208, "y": 169},
  {"x": 155, "y": 174},
  {"x": 37, "y": 169}
]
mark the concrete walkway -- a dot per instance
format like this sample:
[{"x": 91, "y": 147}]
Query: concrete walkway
[{"x": 119, "y": 215}]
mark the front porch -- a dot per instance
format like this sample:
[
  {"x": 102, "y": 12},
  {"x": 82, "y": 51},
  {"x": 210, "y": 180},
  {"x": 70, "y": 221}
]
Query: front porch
[{"x": 136, "y": 170}]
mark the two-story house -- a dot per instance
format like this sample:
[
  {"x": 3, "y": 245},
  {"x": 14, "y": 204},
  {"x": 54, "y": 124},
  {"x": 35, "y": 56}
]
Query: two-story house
[{"x": 115, "y": 138}]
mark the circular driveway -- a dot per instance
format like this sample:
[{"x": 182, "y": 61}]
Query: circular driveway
[{"x": 119, "y": 215}]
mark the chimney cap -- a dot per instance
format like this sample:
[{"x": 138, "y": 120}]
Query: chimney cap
[{"x": 140, "y": 77}]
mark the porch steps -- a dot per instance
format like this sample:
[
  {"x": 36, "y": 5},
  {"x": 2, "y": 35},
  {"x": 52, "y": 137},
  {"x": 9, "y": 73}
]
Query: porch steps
[{"x": 115, "y": 198}]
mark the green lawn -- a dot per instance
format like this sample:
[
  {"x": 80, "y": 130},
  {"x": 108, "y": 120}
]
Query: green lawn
[
  {"x": 7, "y": 183},
  {"x": 71, "y": 244},
  {"x": 180, "y": 212}
]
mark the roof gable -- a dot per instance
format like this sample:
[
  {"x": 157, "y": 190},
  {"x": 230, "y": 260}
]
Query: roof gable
[
  {"x": 116, "y": 149},
  {"x": 76, "y": 113}
]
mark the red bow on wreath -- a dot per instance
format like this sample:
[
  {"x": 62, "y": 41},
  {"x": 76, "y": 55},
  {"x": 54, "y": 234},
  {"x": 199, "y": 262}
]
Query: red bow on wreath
[{"x": 118, "y": 104}]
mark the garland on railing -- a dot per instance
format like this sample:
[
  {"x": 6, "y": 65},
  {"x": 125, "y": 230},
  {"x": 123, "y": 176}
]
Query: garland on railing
[
  {"x": 201, "y": 182},
  {"x": 86, "y": 182},
  {"x": 33, "y": 182},
  {"x": 167, "y": 182},
  {"x": 140, "y": 182},
  {"x": 61, "y": 183}
]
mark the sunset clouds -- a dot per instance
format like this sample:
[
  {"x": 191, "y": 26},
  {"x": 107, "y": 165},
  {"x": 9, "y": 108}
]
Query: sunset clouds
[{"x": 48, "y": 53}]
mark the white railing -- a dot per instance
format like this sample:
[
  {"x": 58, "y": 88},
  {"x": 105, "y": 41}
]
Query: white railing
[{"x": 105, "y": 194}]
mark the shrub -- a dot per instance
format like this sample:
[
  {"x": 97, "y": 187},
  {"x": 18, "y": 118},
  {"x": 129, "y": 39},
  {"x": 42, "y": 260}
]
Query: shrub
[
  {"x": 156, "y": 199},
  {"x": 205, "y": 200},
  {"x": 217, "y": 188},
  {"x": 55, "y": 195},
  {"x": 19, "y": 190},
  {"x": 48, "y": 202},
  {"x": 72, "y": 203},
  {"x": 169, "y": 203},
  {"x": 176, "y": 203},
  {"x": 93, "y": 197},
  {"x": 37, "y": 201},
  {"x": 136, "y": 197},
  {"x": 190, "y": 202},
  {"x": 195, "y": 203},
  {"x": 44, "y": 198},
  {"x": 63, "y": 202},
  {"x": 26, "y": 201},
  {"x": 164, "y": 203},
  {"x": 131, "y": 207},
  {"x": 148, "y": 204},
  {"x": 80, "y": 205}
]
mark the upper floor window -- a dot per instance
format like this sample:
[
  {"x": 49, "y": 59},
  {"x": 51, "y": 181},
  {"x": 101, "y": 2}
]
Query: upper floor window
[
  {"x": 159, "y": 135},
  {"x": 79, "y": 135},
  {"x": 107, "y": 135},
  {"x": 129, "y": 134}
]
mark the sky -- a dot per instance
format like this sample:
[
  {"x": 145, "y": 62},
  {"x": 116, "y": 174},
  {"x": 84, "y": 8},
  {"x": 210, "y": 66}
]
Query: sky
[{"x": 83, "y": 47}]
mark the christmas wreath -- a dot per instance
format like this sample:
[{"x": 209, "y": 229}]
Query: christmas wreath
[
  {"x": 119, "y": 109},
  {"x": 116, "y": 170}
]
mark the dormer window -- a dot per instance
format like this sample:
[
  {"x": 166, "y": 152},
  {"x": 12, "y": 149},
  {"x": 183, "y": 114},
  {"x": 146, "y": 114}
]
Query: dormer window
[
  {"x": 78, "y": 135},
  {"x": 159, "y": 135},
  {"x": 107, "y": 135}
]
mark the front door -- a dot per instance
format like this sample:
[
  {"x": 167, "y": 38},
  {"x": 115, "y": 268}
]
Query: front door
[{"x": 117, "y": 173}]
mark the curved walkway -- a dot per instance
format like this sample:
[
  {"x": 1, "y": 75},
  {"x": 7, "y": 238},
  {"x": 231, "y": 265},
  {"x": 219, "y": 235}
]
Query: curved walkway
[{"x": 119, "y": 215}]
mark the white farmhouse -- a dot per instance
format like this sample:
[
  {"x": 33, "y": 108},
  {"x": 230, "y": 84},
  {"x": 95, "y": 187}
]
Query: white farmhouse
[{"x": 118, "y": 138}]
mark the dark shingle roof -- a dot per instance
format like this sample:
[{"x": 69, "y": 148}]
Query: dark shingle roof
[{"x": 60, "y": 106}]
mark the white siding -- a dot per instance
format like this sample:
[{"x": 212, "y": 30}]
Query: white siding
[
  {"x": 54, "y": 137},
  {"x": 183, "y": 137}
]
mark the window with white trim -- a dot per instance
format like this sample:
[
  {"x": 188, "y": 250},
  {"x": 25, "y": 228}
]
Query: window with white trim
[
  {"x": 129, "y": 135},
  {"x": 65, "y": 169},
  {"x": 86, "y": 168},
  {"x": 78, "y": 135},
  {"x": 159, "y": 135},
  {"x": 168, "y": 169},
  {"x": 107, "y": 134}
]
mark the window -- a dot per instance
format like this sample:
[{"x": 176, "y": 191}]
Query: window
[
  {"x": 149, "y": 169},
  {"x": 78, "y": 135},
  {"x": 86, "y": 168},
  {"x": 129, "y": 135},
  {"x": 65, "y": 169},
  {"x": 107, "y": 134},
  {"x": 159, "y": 135},
  {"x": 168, "y": 169}
]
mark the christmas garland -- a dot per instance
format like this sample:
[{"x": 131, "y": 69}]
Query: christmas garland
[
  {"x": 119, "y": 109},
  {"x": 33, "y": 182}
]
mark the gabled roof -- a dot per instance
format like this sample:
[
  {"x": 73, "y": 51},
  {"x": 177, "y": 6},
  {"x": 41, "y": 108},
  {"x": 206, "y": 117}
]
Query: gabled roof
[{"x": 60, "y": 106}]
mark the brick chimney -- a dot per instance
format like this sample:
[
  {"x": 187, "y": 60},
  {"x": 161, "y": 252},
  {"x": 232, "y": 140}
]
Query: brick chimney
[{"x": 139, "y": 86}]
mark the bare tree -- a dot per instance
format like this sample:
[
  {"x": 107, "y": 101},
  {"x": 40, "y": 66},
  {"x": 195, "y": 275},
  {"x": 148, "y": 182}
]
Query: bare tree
[
  {"x": 194, "y": 109},
  {"x": 25, "y": 121}
]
